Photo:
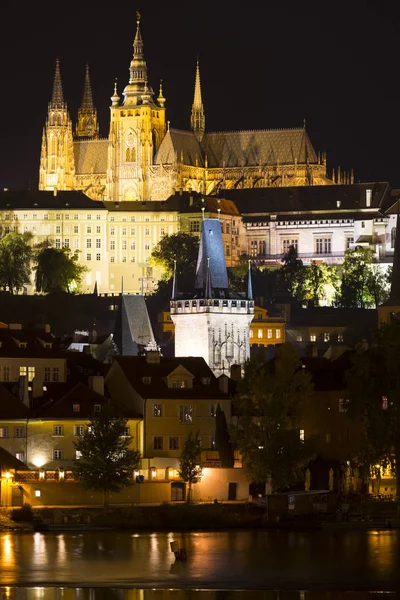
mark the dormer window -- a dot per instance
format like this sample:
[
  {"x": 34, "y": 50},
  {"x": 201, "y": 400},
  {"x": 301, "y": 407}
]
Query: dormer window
[
  {"x": 146, "y": 380},
  {"x": 205, "y": 380},
  {"x": 76, "y": 407},
  {"x": 181, "y": 384}
]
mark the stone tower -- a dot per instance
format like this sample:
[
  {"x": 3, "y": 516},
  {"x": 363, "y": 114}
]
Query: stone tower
[
  {"x": 137, "y": 127},
  {"x": 213, "y": 323},
  {"x": 87, "y": 124},
  {"x": 391, "y": 308},
  {"x": 57, "y": 168},
  {"x": 198, "y": 119}
]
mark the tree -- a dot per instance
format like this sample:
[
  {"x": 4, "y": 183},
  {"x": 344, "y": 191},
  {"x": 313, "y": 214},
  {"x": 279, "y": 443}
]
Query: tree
[
  {"x": 15, "y": 261},
  {"x": 374, "y": 389},
  {"x": 223, "y": 440},
  {"x": 182, "y": 247},
  {"x": 57, "y": 270},
  {"x": 320, "y": 282},
  {"x": 270, "y": 402},
  {"x": 291, "y": 275},
  {"x": 356, "y": 279},
  {"x": 106, "y": 460},
  {"x": 190, "y": 469}
]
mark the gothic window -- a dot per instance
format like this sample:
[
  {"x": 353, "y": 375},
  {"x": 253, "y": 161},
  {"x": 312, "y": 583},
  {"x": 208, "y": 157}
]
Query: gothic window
[
  {"x": 392, "y": 237},
  {"x": 130, "y": 155},
  {"x": 229, "y": 348}
]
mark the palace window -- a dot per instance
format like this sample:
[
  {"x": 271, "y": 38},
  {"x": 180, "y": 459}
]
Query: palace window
[
  {"x": 58, "y": 430},
  {"x": 58, "y": 229},
  {"x": 194, "y": 226},
  {"x": 269, "y": 333},
  {"x": 287, "y": 242},
  {"x": 66, "y": 243},
  {"x": 133, "y": 231},
  {"x": 186, "y": 413},
  {"x": 174, "y": 443},
  {"x": 76, "y": 228},
  {"x": 147, "y": 231},
  {"x": 112, "y": 245},
  {"x": 98, "y": 256},
  {"x": 98, "y": 243},
  {"x": 157, "y": 410},
  {"x": 158, "y": 442},
  {"x": 57, "y": 454},
  {"x": 88, "y": 257},
  {"x": 58, "y": 243},
  {"x": 123, "y": 244},
  {"x": 88, "y": 243},
  {"x": 349, "y": 242},
  {"x": 89, "y": 229},
  {"x": 98, "y": 229},
  {"x": 124, "y": 231},
  {"x": 323, "y": 245},
  {"x": 3, "y": 432},
  {"x": 133, "y": 245}
]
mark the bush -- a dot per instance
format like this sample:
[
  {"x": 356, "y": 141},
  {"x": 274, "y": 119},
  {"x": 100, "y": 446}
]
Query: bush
[{"x": 25, "y": 513}]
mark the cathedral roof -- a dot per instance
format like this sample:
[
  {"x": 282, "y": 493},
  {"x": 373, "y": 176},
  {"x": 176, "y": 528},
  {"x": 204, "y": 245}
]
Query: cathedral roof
[
  {"x": 91, "y": 156},
  {"x": 180, "y": 146},
  {"x": 260, "y": 147}
]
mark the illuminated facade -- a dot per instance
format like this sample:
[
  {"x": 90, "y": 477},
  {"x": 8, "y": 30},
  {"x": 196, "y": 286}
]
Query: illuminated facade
[{"x": 144, "y": 159}]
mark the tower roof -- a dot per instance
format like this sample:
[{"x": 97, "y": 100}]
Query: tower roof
[
  {"x": 137, "y": 91},
  {"x": 57, "y": 98},
  {"x": 197, "y": 100},
  {"x": 87, "y": 100},
  {"x": 197, "y": 120},
  {"x": 211, "y": 266}
]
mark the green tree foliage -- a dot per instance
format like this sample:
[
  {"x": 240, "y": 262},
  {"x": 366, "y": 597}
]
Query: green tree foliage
[
  {"x": 15, "y": 261},
  {"x": 57, "y": 270},
  {"x": 271, "y": 400},
  {"x": 319, "y": 283},
  {"x": 364, "y": 285},
  {"x": 190, "y": 469},
  {"x": 223, "y": 440},
  {"x": 374, "y": 387},
  {"x": 291, "y": 275},
  {"x": 107, "y": 462},
  {"x": 182, "y": 247}
]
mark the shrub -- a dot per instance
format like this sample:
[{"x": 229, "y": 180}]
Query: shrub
[{"x": 25, "y": 513}]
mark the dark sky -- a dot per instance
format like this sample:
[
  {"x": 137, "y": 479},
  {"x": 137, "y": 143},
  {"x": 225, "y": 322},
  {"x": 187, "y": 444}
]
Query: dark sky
[{"x": 264, "y": 64}]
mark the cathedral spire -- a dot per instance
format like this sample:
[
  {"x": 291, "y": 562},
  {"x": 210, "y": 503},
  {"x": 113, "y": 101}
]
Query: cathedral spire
[
  {"x": 57, "y": 98},
  {"x": 137, "y": 85},
  {"x": 87, "y": 124},
  {"x": 198, "y": 120}
]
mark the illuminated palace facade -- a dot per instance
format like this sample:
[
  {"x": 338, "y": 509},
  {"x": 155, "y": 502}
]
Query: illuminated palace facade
[{"x": 144, "y": 159}]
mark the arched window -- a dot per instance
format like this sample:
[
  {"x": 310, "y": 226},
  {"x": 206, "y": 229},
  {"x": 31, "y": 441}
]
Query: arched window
[{"x": 393, "y": 237}]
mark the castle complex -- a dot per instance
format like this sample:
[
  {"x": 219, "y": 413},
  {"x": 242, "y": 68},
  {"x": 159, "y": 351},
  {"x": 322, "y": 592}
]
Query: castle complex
[{"x": 144, "y": 159}]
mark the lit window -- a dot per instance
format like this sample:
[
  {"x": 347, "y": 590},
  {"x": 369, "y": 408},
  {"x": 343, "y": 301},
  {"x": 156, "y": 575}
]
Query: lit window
[
  {"x": 3, "y": 432},
  {"x": 184, "y": 383},
  {"x": 384, "y": 402},
  {"x": 260, "y": 333},
  {"x": 22, "y": 371},
  {"x": 38, "y": 493},
  {"x": 326, "y": 337},
  {"x": 213, "y": 410},
  {"x": 299, "y": 338},
  {"x": 78, "y": 454},
  {"x": 157, "y": 410},
  {"x": 76, "y": 407},
  {"x": 251, "y": 333},
  {"x": 269, "y": 333},
  {"x": 340, "y": 337},
  {"x": 302, "y": 435},
  {"x": 31, "y": 373},
  {"x": 278, "y": 333},
  {"x": 313, "y": 337},
  {"x": 20, "y": 456},
  {"x": 186, "y": 413}
]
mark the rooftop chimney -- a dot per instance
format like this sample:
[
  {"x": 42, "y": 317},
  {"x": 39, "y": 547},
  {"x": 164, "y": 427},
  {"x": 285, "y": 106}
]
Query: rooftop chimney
[{"x": 368, "y": 197}]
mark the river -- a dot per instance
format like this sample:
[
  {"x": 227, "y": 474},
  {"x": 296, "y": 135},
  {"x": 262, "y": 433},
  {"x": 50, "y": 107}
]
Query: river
[{"x": 316, "y": 561}]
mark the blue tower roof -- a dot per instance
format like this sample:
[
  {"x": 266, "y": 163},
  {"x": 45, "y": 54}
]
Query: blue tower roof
[{"x": 212, "y": 248}]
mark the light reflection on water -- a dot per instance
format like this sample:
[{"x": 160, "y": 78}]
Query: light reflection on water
[
  {"x": 51, "y": 593},
  {"x": 234, "y": 560}
]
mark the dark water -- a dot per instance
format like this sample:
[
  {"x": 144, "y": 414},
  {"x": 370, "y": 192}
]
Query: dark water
[{"x": 323, "y": 563}]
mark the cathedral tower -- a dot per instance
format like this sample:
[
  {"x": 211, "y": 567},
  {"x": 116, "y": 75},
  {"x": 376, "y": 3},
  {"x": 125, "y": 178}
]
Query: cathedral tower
[
  {"x": 87, "y": 124},
  {"x": 137, "y": 128},
  {"x": 57, "y": 169},
  {"x": 198, "y": 120},
  {"x": 213, "y": 323}
]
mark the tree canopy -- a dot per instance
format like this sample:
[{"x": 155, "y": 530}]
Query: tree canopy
[
  {"x": 364, "y": 284},
  {"x": 190, "y": 469},
  {"x": 15, "y": 261},
  {"x": 271, "y": 400},
  {"x": 106, "y": 462},
  {"x": 182, "y": 247},
  {"x": 57, "y": 270}
]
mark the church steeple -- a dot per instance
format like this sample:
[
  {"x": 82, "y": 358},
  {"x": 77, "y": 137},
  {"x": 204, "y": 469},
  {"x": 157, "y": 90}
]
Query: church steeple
[
  {"x": 87, "y": 124},
  {"x": 137, "y": 86},
  {"x": 57, "y": 97},
  {"x": 198, "y": 120}
]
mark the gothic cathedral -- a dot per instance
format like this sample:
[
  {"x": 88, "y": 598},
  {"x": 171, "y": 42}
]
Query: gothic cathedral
[{"x": 143, "y": 159}]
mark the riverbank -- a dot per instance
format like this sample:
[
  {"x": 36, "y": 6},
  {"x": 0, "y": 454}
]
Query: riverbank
[{"x": 182, "y": 517}]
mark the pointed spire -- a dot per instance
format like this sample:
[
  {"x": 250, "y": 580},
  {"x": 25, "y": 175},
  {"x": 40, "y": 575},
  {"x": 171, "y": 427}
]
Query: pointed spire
[
  {"x": 208, "y": 287},
  {"x": 57, "y": 98},
  {"x": 198, "y": 120},
  {"x": 137, "y": 85},
  {"x": 174, "y": 294},
  {"x": 87, "y": 124},
  {"x": 161, "y": 99},
  {"x": 115, "y": 98},
  {"x": 249, "y": 284}
]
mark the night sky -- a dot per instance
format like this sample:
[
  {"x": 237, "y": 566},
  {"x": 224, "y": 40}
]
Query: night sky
[{"x": 263, "y": 65}]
